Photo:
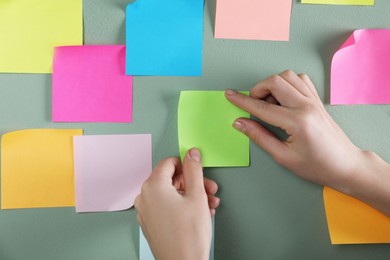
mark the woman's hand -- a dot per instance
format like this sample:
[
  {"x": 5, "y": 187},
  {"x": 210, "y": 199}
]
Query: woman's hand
[
  {"x": 316, "y": 149},
  {"x": 175, "y": 208}
]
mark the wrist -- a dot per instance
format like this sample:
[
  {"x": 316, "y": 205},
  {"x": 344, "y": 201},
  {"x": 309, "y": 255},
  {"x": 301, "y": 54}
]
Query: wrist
[
  {"x": 370, "y": 181},
  {"x": 191, "y": 255},
  {"x": 183, "y": 254},
  {"x": 190, "y": 248}
]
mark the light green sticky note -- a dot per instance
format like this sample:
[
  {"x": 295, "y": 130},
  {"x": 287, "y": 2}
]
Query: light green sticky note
[
  {"x": 340, "y": 2},
  {"x": 205, "y": 121}
]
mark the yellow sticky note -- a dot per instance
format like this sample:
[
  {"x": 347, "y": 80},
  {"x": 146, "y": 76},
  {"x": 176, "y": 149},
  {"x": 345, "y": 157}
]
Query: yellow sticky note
[
  {"x": 30, "y": 30},
  {"x": 351, "y": 221},
  {"x": 37, "y": 168},
  {"x": 339, "y": 2}
]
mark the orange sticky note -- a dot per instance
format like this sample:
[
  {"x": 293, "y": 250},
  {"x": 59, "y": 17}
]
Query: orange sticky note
[
  {"x": 37, "y": 168},
  {"x": 253, "y": 19},
  {"x": 351, "y": 221}
]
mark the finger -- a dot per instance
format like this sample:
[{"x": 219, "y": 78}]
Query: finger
[
  {"x": 309, "y": 85},
  {"x": 270, "y": 113},
  {"x": 212, "y": 212},
  {"x": 262, "y": 137},
  {"x": 296, "y": 82},
  {"x": 213, "y": 201},
  {"x": 280, "y": 89},
  {"x": 210, "y": 186},
  {"x": 193, "y": 173},
  {"x": 271, "y": 99},
  {"x": 178, "y": 181},
  {"x": 165, "y": 170}
]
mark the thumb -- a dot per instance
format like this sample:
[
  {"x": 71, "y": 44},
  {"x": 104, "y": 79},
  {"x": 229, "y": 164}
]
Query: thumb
[
  {"x": 263, "y": 138},
  {"x": 193, "y": 173}
]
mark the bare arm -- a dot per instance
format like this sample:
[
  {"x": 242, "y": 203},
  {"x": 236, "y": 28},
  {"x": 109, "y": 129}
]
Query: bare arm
[{"x": 175, "y": 208}]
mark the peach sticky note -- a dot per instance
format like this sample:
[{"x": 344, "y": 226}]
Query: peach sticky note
[
  {"x": 351, "y": 221},
  {"x": 29, "y": 31},
  {"x": 360, "y": 69},
  {"x": 253, "y": 19},
  {"x": 37, "y": 168}
]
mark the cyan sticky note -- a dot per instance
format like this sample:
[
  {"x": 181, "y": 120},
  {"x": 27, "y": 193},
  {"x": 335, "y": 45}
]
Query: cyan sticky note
[{"x": 164, "y": 38}]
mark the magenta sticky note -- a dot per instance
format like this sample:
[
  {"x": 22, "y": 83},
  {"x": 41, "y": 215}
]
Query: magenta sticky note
[
  {"x": 360, "y": 71},
  {"x": 110, "y": 170},
  {"x": 90, "y": 85}
]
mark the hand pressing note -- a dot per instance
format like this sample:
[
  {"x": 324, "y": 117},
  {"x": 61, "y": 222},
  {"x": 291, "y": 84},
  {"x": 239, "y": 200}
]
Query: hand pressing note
[
  {"x": 316, "y": 149},
  {"x": 175, "y": 208}
]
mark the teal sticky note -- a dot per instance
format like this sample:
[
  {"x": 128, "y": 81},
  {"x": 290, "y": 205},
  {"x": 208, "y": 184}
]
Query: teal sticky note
[{"x": 164, "y": 38}]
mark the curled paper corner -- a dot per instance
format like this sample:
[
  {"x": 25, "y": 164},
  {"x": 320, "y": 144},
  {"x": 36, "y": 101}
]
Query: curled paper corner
[
  {"x": 359, "y": 70},
  {"x": 350, "y": 41}
]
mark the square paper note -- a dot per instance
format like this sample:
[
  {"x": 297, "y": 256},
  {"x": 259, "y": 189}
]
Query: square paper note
[
  {"x": 164, "y": 38},
  {"x": 29, "y": 31},
  {"x": 110, "y": 170},
  {"x": 360, "y": 69},
  {"x": 340, "y": 2},
  {"x": 89, "y": 84},
  {"x": 253, "y": 19},
  {"x": 205, "y": 121},
  {"x": 37, "y": 168},
  {"x": 351, "y": 221}
]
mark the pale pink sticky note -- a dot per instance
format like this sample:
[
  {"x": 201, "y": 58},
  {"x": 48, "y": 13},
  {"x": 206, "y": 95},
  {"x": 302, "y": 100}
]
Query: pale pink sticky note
[
  {"x": 253, "y": 19},
  {"x": 361, "y": 69},
  {"x": 89, "y": 84},
  {"x": 110, "y": 170}
]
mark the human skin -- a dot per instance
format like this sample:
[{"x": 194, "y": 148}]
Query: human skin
[
  {"x": 316, "y": 148},
  {"x": 175, "y": 208},
  {"x": 176, "y": 202}
]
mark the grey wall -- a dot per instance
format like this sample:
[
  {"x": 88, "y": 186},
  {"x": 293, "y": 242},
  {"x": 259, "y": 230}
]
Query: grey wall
[{"x": 266, "y": 212}]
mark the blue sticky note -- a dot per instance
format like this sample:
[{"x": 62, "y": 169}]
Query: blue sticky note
[
  {"x": 145, "y": 253},
  {"x": 164, "y": 38}
]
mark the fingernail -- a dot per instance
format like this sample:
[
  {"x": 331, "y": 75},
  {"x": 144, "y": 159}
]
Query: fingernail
[
  {"x": 231, "y": 92},
  {"x": 239, "y": 126},
  {"x": 194, "y": 154}
]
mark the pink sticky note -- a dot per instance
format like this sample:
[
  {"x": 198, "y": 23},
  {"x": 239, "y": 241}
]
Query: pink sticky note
[
  {"x": 89, "y": 84},
  {"x": 110, "y": 170},
  {"x": 361, "y": 69},
  {"x": 253, "y": 19}
]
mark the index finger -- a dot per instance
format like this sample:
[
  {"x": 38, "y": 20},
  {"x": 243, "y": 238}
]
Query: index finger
[
  {"x": 270, "y": 113},
  {"x": 166, "y": 169},
  {"x": 280, "y": 89}
]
